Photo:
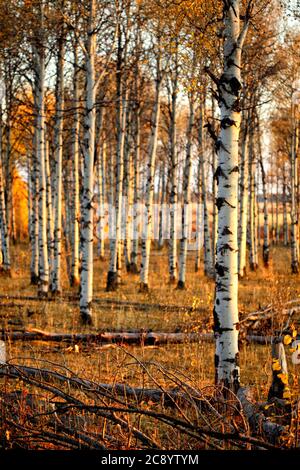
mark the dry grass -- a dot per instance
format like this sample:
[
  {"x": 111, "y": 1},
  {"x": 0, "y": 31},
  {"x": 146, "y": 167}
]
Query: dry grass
[{"x": 110, "y": 362}]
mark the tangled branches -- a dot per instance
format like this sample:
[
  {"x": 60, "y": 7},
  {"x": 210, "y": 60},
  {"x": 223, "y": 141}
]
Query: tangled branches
[{"x": 53, "y": 408}]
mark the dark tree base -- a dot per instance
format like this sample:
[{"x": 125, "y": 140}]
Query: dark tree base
[
  {"x": 86, "y": 318},
  {"x": 133, "y": 268},
  {"x": 143, "y": 287},
  {"x": 172, "y": 280},
  {"x": 34, "y": 280},
  {"x": 6, "y": 273},
  {"x": 112, "y": 282},
  {"x": 181, "y": 285},
  {"x": 253, "y": 267},
  {"x": 74, "y": 281},
  {"x": 295, "y": 268}
]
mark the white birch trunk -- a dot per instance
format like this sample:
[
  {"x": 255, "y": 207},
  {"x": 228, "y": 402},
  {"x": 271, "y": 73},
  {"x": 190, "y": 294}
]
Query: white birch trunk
[
  {"x": 43, "y": 283},
  {"x": 294, "y": 205},
  {"x": 114, "y": 272},
  {"x": 208, "y": 259},
  {"x": 5, "y": 267},
  {"x": 50, "y": 222},
  {"x": 101, "y": 200},
  {"x": 74, "y": 278},
  {"x": 243, "y": 208},
  {"x": 185, "y": 220},
  {"x": 226, "y": 317},
  {"x": 147, "y": 235},
  {"x": 87, "y": 226},
  {"x": 56, "y": 286}
]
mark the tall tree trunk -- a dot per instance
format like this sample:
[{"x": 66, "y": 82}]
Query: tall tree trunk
[
  {"x": 50, "y": 222},
  {"x": 87, "y": 226},
  {"x": 243, "y": 207},
  {"x": 161, "y": 214},
  {"x": 101, "y": 200},
  {"x": 266, "y": 243},
  {"x": 74, "y": 277},
  {"x": 146, "y": 236},
  {"x": 43, "y": 284},
  {"x": 56, "y": 286},
  {"x": 226, "y": 317},
  {"x": 5, "y": 267},
  {"x": 173, "y": 197},
  {"x": 294, "y": 205},
  {"x": 208, "y": 259},
  {"x": 185, "y": 220},
  {"x": 114, "y": 272},
  {"x": 252, "y": 199}
]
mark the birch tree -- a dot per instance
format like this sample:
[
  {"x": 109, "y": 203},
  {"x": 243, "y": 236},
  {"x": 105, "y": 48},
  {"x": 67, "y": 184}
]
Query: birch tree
[{"x": 226, "y": 316}]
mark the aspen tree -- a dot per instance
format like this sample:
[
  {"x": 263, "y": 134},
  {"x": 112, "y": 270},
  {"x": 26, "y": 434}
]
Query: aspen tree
[
  {"x": 147, "y": 235},
  {"x": 226, "y": 316},
  {"x": 56, "y": 286},
  {"x": 86, "y": 276},
  {"x": 185, "y": 221}
]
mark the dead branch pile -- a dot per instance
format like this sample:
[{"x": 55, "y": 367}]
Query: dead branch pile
[{"x": 53, "y": 408}]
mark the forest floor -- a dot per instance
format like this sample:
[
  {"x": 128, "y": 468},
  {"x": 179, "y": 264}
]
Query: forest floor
[{"x": 129, "y": 310}]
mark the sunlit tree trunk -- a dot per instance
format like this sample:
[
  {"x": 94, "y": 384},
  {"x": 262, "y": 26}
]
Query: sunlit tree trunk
[
  {"x": 56, "y": 286},
  {"x": 214, "y": 191},
  {"x": 294, "y": 208},
  {"x": 208, "y": 259},
  {"x": 136, "y": 189},
  {"x": 5, "y": 267},
  {"x": 162, "y": 202},
  {"x": 185, "y": 220},
  {"x": 74, "y": 277},
  {"x": 87, "y": 235},
  {"x": 243, "y": 206},
  {"x": 50, "y": 222},
  {"x": 114, "y": 272},
  {"x": 285, "y": 212},
  {"x": 101, "y": 200},
  {"x": 226, "y": 317},
  {"x": 252, "y": 201},
  {"x": 43, "y": 284},
  {"x": 147, "y": 235},
  {"x": 266, "y": 242},
  {"x": 173, "y": 196}
]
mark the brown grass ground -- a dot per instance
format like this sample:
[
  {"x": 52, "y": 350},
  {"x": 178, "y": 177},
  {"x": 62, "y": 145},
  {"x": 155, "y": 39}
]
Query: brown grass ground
[{"x": 112, "y": 363}]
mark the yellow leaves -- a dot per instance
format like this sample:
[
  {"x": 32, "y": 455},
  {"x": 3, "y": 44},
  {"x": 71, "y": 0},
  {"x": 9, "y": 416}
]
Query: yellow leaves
[
  {"x": 286, "y": 393},
  {"x": 284, "y": 378},
  {"x": 276, "y": 365},
  {"x": 76, "y": 348},
  {"x": 7, "y": 435},
  {"x": 287, "y": 339}
]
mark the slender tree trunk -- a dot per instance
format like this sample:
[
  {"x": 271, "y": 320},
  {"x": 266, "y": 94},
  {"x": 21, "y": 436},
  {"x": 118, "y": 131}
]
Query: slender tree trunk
[
  {"x": 162, "y": 202},
  {"x": 208, "y": 259},
  {"x": 34, "y": 175},
  {"x": 87, "y": 226},
  {"x": 214, "y": 191},
  {"x": 243, "y": 207},
  {"x": 50, "y": 222},
  {"x": 114, "y": 273},
  {"x": 43, "y": 284},
  {"x": 185, "y": 221},
  {"x": 136, "y": 191},
  {"x": 294, "y": 208},
  {"x": 173, "y": 198},
  {"x": 266, "y": 243},
  {"x": 226, "y": 317},
  {"x": 5, "y": 267},
  {"x": 101, "y": 200},
  {"x": 252, "y": 196},
  {"x": 146, "y": 236},
  {"x": 56, "y": 286}
]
